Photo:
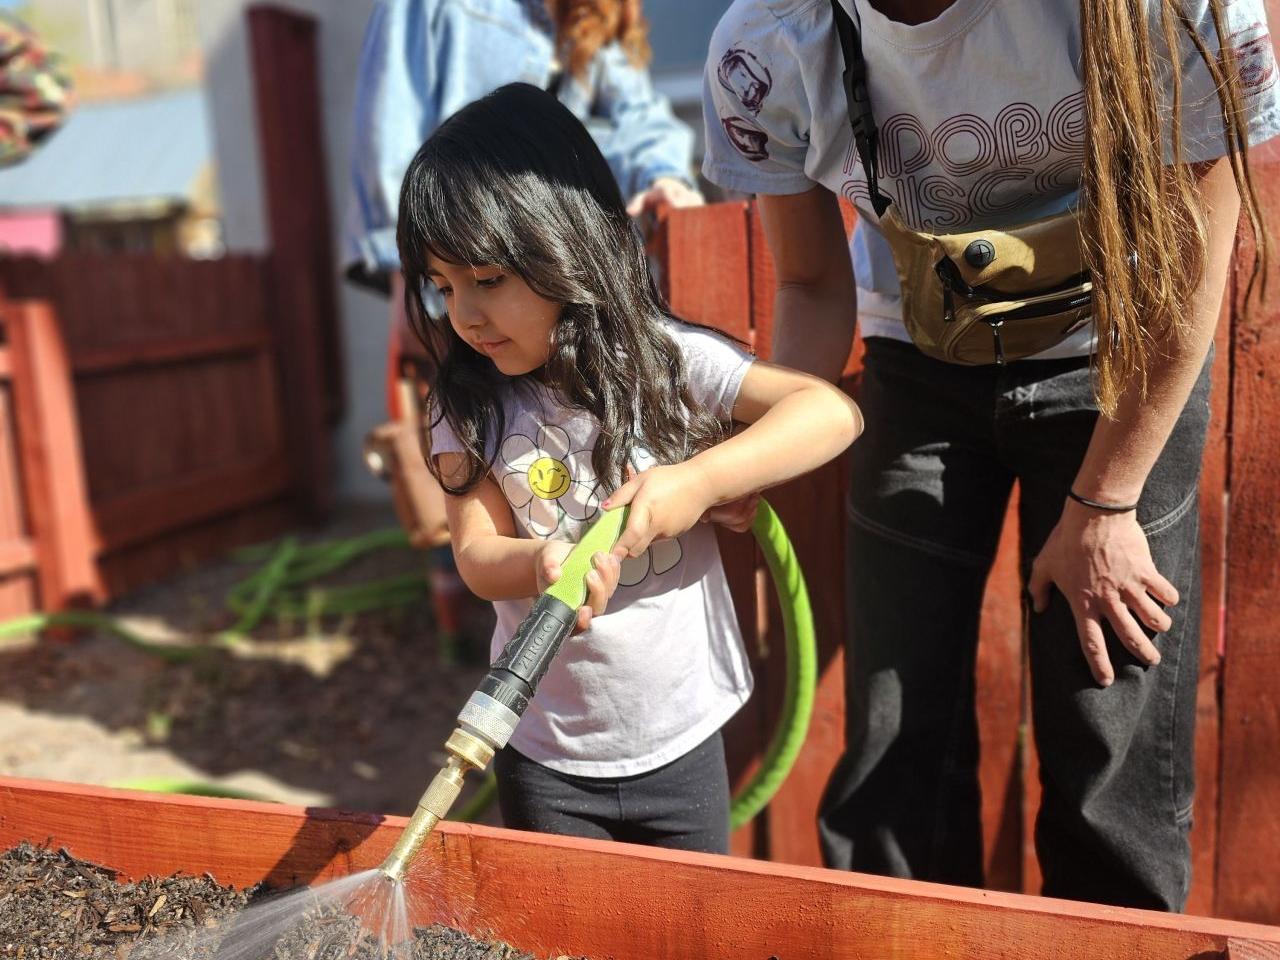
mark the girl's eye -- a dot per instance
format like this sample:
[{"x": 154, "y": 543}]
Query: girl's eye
[
  {"x": 445, "y": 291},
  {"x": 488, "y": 282}
]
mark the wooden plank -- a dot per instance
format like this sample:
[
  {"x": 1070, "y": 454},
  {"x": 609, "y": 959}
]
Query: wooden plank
[
  {"x": 1239, "y": 948},
  {"x": 16, "y": 556},
  {"x": 998, "y": 694},
  {"x": 1249, "y": 830},
  {"x": 18, "y": 595},
  {"x": 13, "y": 511},
  {"x": 184, "y": 548},
  {"x": 707, "y": 265},
  {"x": 287, "y": 94},
  {"x": 170, "y": 352},
  {"x": 598, "y": 898},
  {"x": 145, "y": 513},
  {"x": 1213, "y": 554},
  {"x": 49, "y": 456}
]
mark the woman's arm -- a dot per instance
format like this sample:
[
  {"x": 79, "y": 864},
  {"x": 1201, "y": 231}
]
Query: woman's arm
[
  {"x": 396, "y": 107},
  {"x": 640, "y": 137},
  {"x": 1100, "y": 561},
  {"x": 495, "y": 564},
  {"x": 797, "y": 423},
  {"x": 815, "y": 308}
]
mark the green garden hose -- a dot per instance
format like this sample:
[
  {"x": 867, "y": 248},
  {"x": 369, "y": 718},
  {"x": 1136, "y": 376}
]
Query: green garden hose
[{"x": 802, "y": 668}]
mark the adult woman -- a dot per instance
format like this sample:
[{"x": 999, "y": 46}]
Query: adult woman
[
  {"x": 422, "y": 61},
  {"x": 992, "y": 115}
]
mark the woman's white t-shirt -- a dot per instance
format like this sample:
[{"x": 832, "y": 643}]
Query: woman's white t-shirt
[
  {"x": 980, "y": 112},
  {"x": 664, "y": 667}
]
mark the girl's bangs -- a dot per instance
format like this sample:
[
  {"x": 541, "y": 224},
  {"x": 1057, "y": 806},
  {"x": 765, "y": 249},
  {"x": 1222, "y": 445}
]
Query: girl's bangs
[{"x": 461, "y": 221}]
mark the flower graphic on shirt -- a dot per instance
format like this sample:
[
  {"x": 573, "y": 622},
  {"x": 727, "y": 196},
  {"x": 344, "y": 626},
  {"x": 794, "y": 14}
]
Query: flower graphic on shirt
[
  {"x": 546, "y": 480},
  {"x": 662, "y": 555}
]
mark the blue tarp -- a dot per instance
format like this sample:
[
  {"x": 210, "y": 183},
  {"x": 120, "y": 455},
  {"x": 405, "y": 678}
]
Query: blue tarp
[{"x": 149, "y": 148}]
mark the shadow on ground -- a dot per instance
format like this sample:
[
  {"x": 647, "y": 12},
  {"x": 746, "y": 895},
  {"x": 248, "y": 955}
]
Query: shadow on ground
[{"x": 349, "y": 713}]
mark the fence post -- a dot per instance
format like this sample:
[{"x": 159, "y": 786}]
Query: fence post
[
  {"x": 49, "y": 457},
  {"x": 1248, "y": 827},
  {"x": 287, "y": 95}
]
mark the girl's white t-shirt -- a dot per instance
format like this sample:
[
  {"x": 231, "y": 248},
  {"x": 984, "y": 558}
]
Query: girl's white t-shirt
[
  {"x": 980, "y": 112},
  {"x": 664, "y": 667}
]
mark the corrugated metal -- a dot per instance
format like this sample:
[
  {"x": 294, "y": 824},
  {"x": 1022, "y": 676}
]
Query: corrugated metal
[{"x": 145, "y": 149}]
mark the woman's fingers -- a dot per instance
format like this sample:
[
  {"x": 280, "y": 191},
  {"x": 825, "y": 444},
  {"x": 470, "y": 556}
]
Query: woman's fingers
[
  {"x": 1147, "y": 610},
  {"x": 1093, "y": 643},
  {"x": 1160, "y": 588},
  {"x": 1130, "y": 634}
]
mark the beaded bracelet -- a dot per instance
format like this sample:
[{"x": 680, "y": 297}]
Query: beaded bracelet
[{"x": 1105, "y": 507}]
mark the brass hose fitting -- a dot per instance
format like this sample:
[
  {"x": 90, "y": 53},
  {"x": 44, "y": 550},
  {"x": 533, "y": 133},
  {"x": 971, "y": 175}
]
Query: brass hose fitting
[{"x": 466, "y": 752}]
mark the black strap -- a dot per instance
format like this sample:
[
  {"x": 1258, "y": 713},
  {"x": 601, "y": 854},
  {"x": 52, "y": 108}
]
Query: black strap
[{"x": 858, "y": 99}]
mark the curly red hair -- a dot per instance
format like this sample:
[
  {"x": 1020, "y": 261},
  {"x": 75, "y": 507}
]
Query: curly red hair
[{"x": 584, "y": 26}]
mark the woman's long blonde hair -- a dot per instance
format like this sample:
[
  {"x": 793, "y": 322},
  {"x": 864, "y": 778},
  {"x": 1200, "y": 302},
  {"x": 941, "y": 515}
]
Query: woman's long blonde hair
[
  {"x": 1143, "y": 226},
  {"x": 584, "y": 26}
]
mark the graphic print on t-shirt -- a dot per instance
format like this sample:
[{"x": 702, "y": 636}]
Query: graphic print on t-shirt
[
  {"x": 742, "y": 74},
  {"x": 551, "y": 486}
]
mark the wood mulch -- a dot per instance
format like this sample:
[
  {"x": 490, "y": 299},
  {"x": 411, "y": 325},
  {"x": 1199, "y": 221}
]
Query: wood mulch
[{"x": 55, "y": 907}]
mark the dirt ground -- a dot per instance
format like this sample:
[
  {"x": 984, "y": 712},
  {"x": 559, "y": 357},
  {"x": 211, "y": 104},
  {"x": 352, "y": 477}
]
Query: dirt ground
[{"x": 348, "y": 713}]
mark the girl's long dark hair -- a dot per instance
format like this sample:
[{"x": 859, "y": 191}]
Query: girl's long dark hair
[{"x": 515, "y": 181}]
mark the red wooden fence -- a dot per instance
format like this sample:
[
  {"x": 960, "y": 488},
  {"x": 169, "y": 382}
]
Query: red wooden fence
[
  {"x": 717, "y": 270},
  {"x": 141, "y": 423}
]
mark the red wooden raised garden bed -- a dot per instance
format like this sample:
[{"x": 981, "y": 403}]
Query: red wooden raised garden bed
[{"x": 554, "y": 894}]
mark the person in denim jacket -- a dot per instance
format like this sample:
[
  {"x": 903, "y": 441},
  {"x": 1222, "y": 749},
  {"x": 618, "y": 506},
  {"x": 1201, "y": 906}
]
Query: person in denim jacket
[{"x": 423, "y": 60}]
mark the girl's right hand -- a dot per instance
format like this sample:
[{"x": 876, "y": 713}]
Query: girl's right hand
[{"x": 601, "y": 581}]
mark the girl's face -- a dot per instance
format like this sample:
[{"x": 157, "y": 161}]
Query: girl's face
[{"x": 497, "y": 314}]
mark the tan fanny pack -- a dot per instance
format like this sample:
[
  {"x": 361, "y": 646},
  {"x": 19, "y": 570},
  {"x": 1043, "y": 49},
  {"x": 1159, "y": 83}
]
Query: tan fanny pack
[{"x": 989, "y": 296}]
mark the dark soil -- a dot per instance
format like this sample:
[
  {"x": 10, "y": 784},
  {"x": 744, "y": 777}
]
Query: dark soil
[{"x": 55, "y": 907}]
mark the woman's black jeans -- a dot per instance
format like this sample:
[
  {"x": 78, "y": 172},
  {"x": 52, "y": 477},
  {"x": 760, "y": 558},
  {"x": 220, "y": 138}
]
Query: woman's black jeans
[{"x": 931, "y": 482}]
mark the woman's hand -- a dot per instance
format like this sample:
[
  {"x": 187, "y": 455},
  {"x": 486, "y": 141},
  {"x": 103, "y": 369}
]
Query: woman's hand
[
  {"x": 665, "y": 502},
  {"x": 601, "y": 581},
  {"x": 664, "y": 190},
  {"x": 1102, "y": 564}
]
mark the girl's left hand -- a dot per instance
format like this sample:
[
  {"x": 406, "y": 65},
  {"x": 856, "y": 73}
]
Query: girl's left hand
[
  {"x": 1102, "y": 564},
  {"x": 668, "y": 190},
  {"x": 665, "y": 502},
  {"x": 736, "y": 515}
]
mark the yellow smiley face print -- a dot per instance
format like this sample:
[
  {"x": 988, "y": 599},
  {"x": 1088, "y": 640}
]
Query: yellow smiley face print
[{"x": 548, "y": 478}]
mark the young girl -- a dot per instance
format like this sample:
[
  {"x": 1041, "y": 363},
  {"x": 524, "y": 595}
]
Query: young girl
[{"x": 561, "y": 375}]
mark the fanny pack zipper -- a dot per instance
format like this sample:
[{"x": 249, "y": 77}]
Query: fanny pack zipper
[{"x": 953, "y": 283}]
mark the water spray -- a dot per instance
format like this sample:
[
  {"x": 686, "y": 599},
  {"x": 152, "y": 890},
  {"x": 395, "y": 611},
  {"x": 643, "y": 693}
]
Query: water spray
[{"x": 490, "y": 715}]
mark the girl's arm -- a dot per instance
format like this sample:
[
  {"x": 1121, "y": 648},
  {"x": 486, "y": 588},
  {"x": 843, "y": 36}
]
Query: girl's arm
[
  {"x": 1100, "y": 561},
  {"x": 797, "y": 423},
  {"x": 496, "y": 564}
]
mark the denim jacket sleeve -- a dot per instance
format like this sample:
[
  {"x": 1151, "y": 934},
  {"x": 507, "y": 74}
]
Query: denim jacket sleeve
[
  {"x": 633, "y": 125},
  {"x": 396, "y": 107}
]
